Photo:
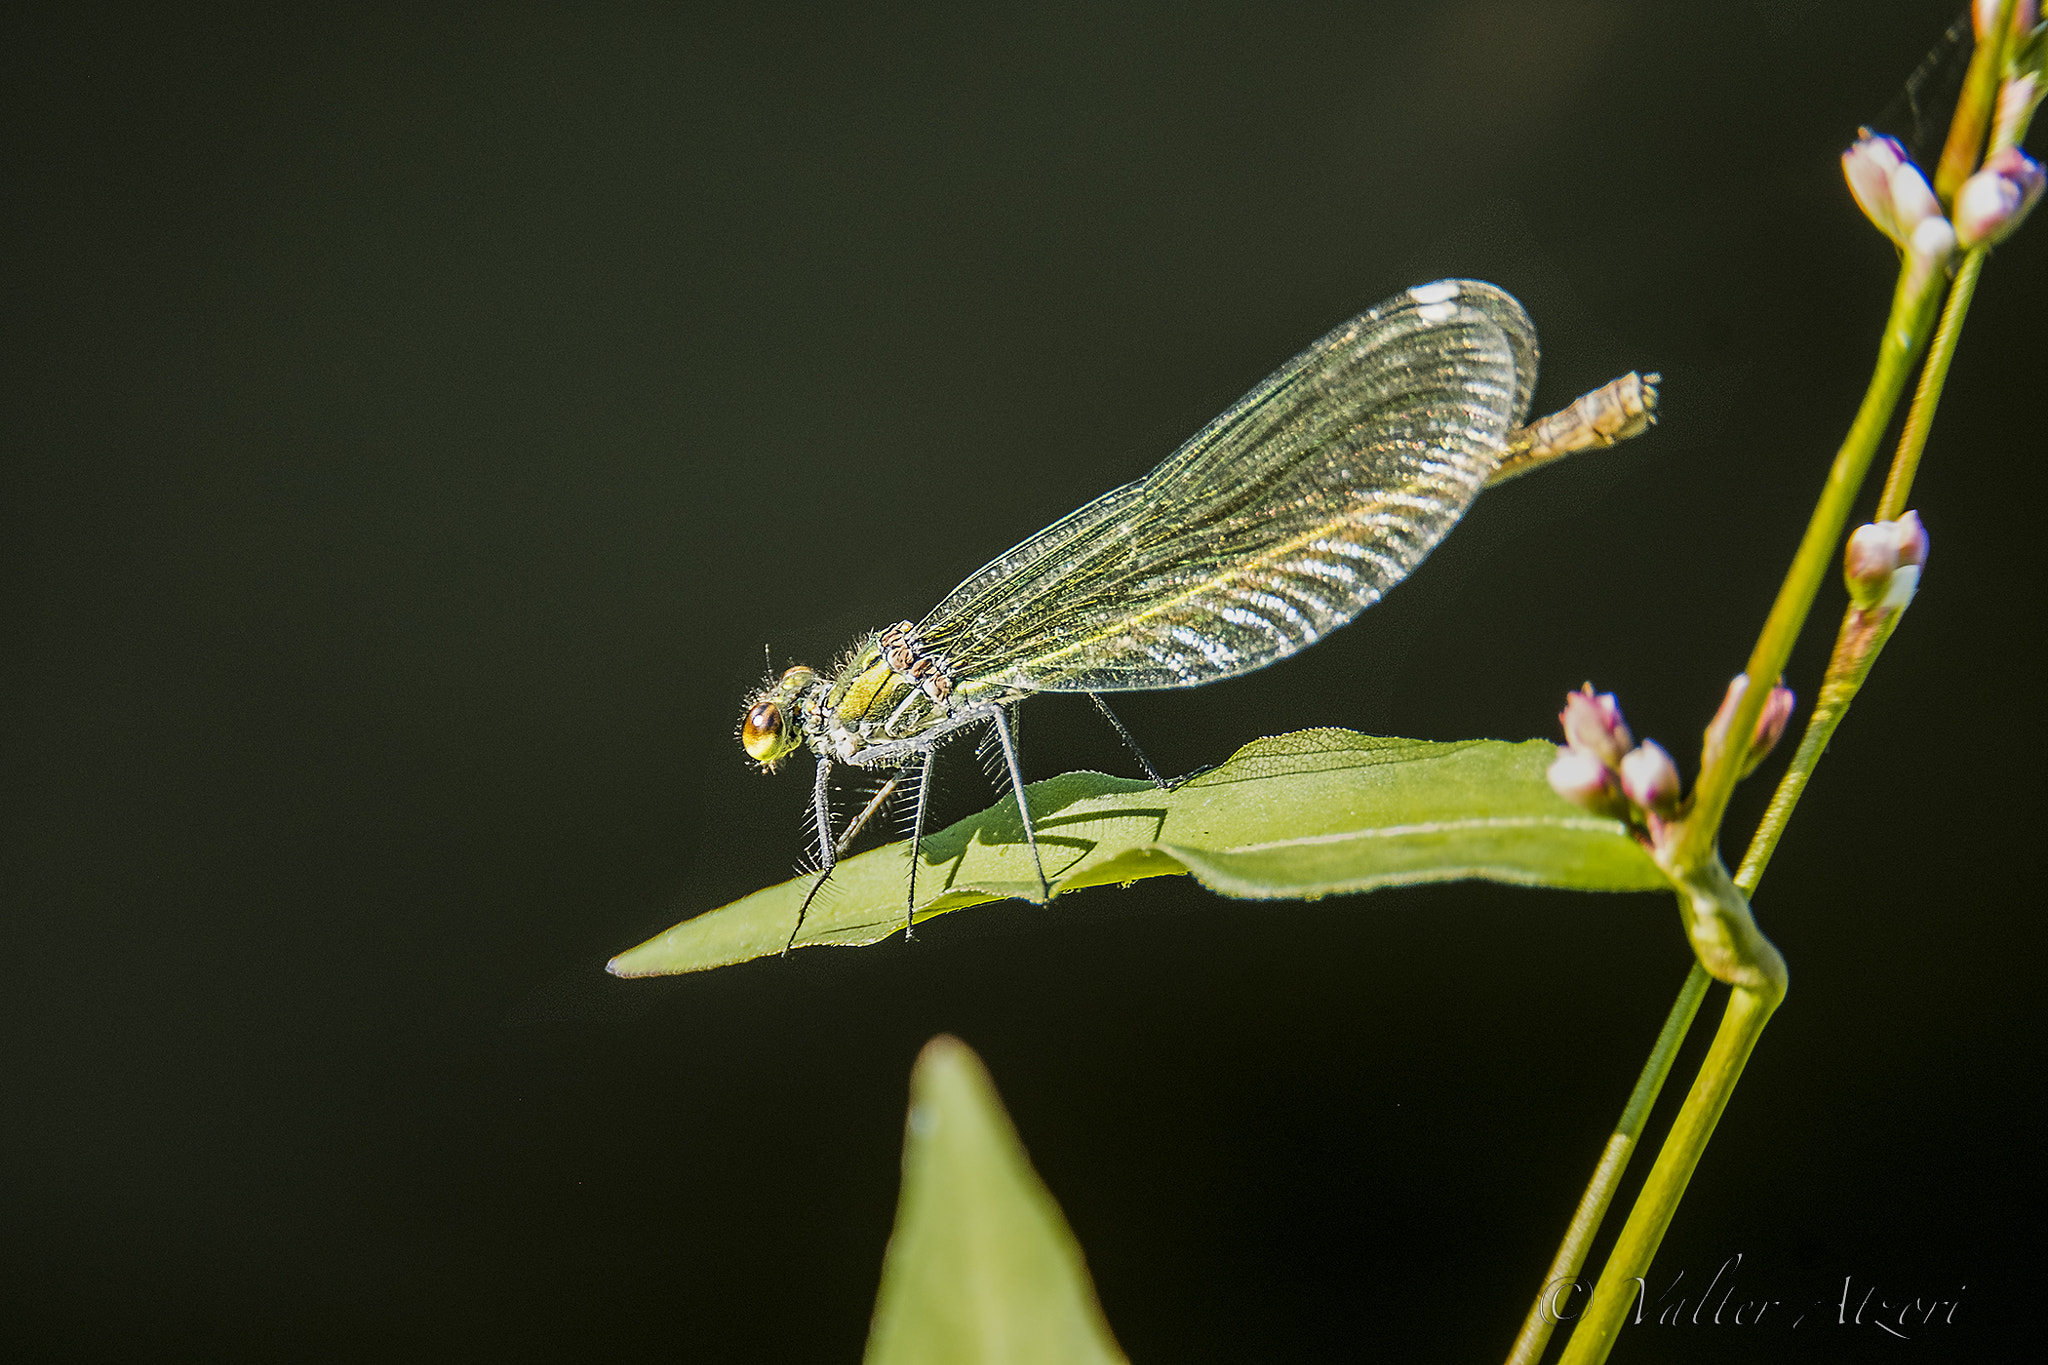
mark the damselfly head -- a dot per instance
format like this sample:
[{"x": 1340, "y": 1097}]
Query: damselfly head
[{"x": 769, "y": 730}]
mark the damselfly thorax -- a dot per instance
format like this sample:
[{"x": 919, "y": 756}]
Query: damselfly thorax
[{"x": 1279, "y": 522}]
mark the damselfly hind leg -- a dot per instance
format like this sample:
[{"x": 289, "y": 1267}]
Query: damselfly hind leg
[
  {"x": 1000, "y": 719},
  {"x": 924, "y": 796},
  {"x": 1165, "y": 784},
  {"x": 1130, "y": 742}
]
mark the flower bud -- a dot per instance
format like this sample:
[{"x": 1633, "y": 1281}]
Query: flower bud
[
  {"x": 1585, "y": 781},
  {"x": 1913, "y": 542},
  {"x": 2017, "y": 98},
  {"x": 1932, "y": 243},
  {"x": 1913, "y": 201},
  {"x": 1882, "y": 563},
  {"x": 1984, "y": 13},
  {"x": 1868, "y": 168},
  {"x": 1650, "y": 778},
  {"x": 1996, "y": 199},
  {"x": 1770, "y": 725},
  {"x": 1593, "y": 725}
]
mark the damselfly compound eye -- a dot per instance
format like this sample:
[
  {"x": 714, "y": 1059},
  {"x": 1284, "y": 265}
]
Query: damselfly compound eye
[{"x": 761, "y": 733}]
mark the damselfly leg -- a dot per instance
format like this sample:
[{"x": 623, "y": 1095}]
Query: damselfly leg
[
  {"x": 924, "y": 796},
  {"x": 1000, "y": 719},
  {"x": 1131, "y": 743}
]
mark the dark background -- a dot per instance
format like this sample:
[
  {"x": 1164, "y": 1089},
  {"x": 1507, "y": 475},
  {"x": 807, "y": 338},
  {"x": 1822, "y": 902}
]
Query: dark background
[{"x": 417, "y": 422}]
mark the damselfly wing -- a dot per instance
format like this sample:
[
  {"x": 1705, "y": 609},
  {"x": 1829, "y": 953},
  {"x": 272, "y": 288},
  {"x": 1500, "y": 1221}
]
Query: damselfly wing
[{"x": 1280, "y": 521}]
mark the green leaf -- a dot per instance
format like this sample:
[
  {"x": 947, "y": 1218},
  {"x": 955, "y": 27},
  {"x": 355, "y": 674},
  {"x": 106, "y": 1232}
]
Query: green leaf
[
  {"x": 1297, "y": 816},
  {"x": 982, "y": 1265}
]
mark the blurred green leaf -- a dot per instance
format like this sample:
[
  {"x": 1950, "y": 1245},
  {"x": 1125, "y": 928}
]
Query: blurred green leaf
[
  {"x": 982, "y": 1265},
  {"x": 1297, "y": 816}
]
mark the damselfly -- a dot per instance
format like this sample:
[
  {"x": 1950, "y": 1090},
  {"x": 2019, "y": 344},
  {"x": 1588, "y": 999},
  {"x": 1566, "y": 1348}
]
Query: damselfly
[{"x": 1280, "y": 521}]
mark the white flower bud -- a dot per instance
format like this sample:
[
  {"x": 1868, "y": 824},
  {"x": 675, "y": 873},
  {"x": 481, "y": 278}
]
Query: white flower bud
[
  {"x": 1913, "y": 201},
  {"x": 2017, "y": 98},
  {"x": 1770, "y": 725},
  {"x": 1983, "y": 13},
  {"x": 1585, "y": 781},
  {"x": 1881, "y": 565},
  {"x": 1996, "y": 199},
  {"x": 1593, "y": 725},
  {"x": 1933, "y": 242},
  {"x": 1868, "y": 168},
  {"x": 1650, "y": 778}
]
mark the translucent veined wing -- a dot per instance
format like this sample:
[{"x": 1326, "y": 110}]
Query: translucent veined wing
[{"x": 1280, "y": 521}]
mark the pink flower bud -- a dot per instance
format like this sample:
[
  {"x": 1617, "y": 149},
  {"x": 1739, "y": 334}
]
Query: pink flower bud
[
  {"x": 1593, "y": 724},
  {"x": 1913, "y": 201},
  {"x": 1717, "y": 728},
  {"x": 1996, "y": 199},
  {"x": 1913, "y": 541},
  {"x": 1983, "y": 13},
  {"x": 1585, "y": 781},
  {"x": 2017, "y": 97},
  {"x": 1770, "y": 725},
  {"x": 1650, "y": 778},
  {"x": 1882, "y": 563},
  {"x": 1927, "y": 251},
  {"x": 1868, "y": 168}
]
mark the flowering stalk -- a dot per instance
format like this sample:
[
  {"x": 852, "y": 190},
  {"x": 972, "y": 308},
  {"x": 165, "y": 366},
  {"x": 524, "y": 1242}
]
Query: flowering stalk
[
  {"x": 1879, "y": 591},
  {"x": 1905, "y": 337}
]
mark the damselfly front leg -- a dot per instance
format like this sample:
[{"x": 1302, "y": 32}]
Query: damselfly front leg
[{"x": 828, "y": 847}]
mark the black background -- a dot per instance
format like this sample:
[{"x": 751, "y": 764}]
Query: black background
[{"x": 419, "y": 421}]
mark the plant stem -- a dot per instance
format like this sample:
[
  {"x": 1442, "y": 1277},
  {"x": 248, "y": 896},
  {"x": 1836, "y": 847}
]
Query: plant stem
[
  {"x": 1973, "y": 110},
  {"x": 1728, "y": 939},
  {"x": 1860, "y": 639},
  {"x": 1758, "y": 995},
  {"x": 1898, "y": 485},
  {"x": 1905, "y": 338},
  {"x": 1748, "y": 1011},
  {"x": 1856, "y": 649},
  {"x": 1838, "y": 688},
  {"x": 1578, "y": 1236}
]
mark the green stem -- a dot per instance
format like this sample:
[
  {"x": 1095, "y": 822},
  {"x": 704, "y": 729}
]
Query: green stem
[
  {"x": 1905, "y": 338},
  {"x": 1555, "y": 1296},
  {"x": 1862, "y": 637},
  {"x": 1748, "y": 1011},
  {"x": 1972, "y": 119},
  {"x": 1851, "y": 463},
  {"x": 1760, "y": 979},
  {"x": 1857, "y": 646},
  {"x": 1898, "y": 485},
  {"x": 1856, "y": 649}
]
